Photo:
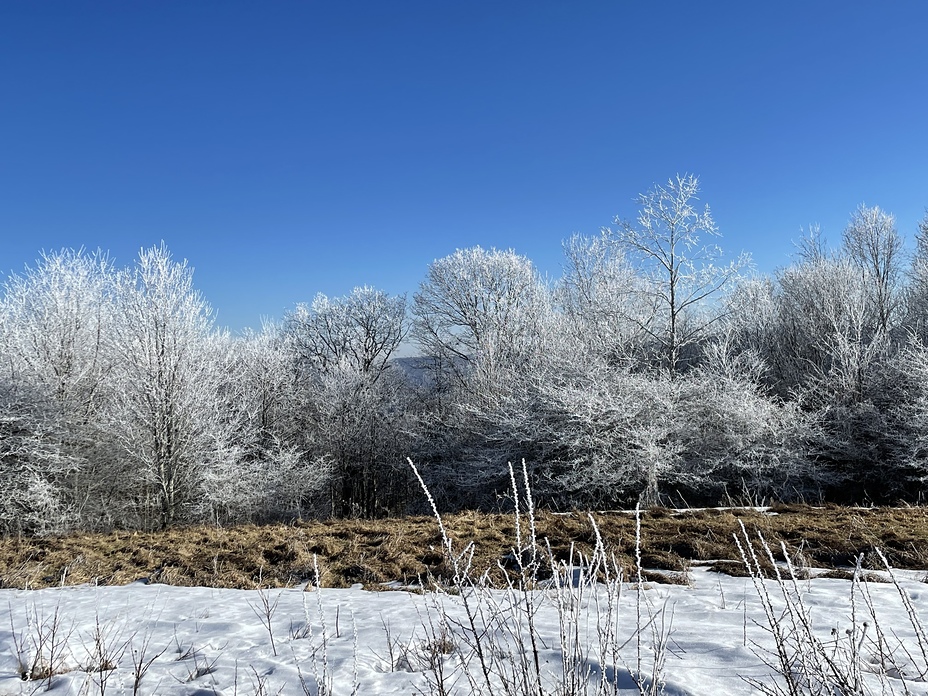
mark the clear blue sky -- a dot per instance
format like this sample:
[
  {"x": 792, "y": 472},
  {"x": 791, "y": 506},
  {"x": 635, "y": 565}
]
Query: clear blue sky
[{"x": 288, "y": 148}]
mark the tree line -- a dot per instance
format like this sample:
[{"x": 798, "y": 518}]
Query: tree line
[{"x": 651, "y": 371}]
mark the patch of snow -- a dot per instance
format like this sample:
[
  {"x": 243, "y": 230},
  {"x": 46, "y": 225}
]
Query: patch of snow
[{"x": 214, "y": 641}]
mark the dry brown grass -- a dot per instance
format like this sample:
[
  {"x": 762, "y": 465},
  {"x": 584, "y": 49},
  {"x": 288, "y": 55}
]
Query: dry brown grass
[{"x": 409, "y": 549}]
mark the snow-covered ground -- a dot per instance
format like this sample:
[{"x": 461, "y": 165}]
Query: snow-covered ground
[{"x": 199, "y": 641}]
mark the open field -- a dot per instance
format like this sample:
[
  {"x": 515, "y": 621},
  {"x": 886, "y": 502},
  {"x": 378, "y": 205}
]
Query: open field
[
  {"x": 379, "y": 551},
  {"x": 586, "y": 628}
]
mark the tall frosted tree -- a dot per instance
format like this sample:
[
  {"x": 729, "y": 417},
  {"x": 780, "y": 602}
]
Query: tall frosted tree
[
  {"x": 54, "y": 379},
  {"x": 54, "y": 319},
  {"x": 872, "y": 243},
  {"x": 481, "y": 311},
  {"x": 682, "y": 271},
  {"x": 352, "y": 396},
  {"x": 916, "y": 296},
  {"x": 167, "y": 412},
  {"x": 361, "y": 330}
]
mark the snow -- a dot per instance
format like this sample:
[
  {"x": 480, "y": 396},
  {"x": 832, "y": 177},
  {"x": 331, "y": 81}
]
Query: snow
[{"x": 215, "y": 641}]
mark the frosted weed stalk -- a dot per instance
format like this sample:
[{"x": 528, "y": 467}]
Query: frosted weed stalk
[
  {"x": 265, "y": 609},
  {"x": 322, "y": 677},
  {"x": 860, "y": 660},
  {"x": 499, "y": 646},
  {"x": 320, "y": 652},
  {"x": 40, "y": 651},
  {"x": 143, "y": 657},
  {"x": 105, "y": 649}
]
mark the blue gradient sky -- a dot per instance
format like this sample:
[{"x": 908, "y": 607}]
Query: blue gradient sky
[{"x": 287, "y": 148}]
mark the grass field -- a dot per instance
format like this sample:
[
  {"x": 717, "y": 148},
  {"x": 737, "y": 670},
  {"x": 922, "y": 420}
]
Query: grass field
[{"x": 371, "y": 552}]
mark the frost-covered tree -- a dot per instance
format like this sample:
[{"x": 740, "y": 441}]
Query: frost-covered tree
[
  {"x": 734, "y": 441},
  {"x": 269, "y": 388},
  {"x": 831, "y": 352},
  {"x": 34, "y": 465},
  {"x": 916, "y": 295},
  {"x": 597, "y": 434},
  {"x": 822, "y": 328},
  {"x": 598, "y": 295},
  {"x": 354, "y": 402},
  {"x": 906, "y": 473},
  {"x": 167, "y": 411},
  {"x": 55, "y": 377},
  {"x": 362, "y": 330},
  {"x": 608, "y": 431},
  {"x": 54, "y": 318},
  {"x": 480, "y": 311},
  {"x": 682, "y": 271},
  {"x": 482, "y": 319},
  {"x": 825, "y": 344},
  {"x": 872, "y": 243},
  {"x": 751, "y": 317},
  {"x": 258, "y": 467}
]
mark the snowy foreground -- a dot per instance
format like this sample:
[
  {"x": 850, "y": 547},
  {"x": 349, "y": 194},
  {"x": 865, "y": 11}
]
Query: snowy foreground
[{"x": 158, "y": 639}]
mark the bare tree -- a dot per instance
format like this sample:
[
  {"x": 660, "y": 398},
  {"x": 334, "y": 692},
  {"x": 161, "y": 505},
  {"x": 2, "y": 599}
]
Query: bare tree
[
  {"x": 681, "y": 271},
  {"x": 875, "y": 247},
  {"x": 354, "y": 401},
  {"x": 362, "y": 329},
  {"x": 917, "y": 291}
]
